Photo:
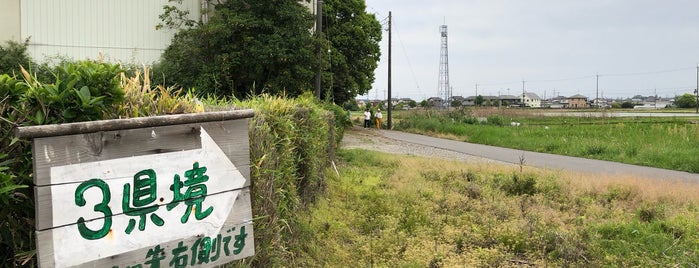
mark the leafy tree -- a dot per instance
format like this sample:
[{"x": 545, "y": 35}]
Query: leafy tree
[
  {"x": 479, "y": 100},
  {"x": 12, "y": 55},
  {"x": 627, "y": 104},
  {"x": 354, "y": 50},
  {"x": 351, "y": 105},
  {"x": 686, "y": 101},
  {"x": 247, "y": 47},
  {"x": 456, "y": 103},
  {"x": 424, "y": 104},
  {"x": 412, "y": 104}
]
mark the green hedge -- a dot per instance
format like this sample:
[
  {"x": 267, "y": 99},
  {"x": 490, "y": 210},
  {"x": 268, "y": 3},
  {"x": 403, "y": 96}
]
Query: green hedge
[{"x": 291, "y": 144}]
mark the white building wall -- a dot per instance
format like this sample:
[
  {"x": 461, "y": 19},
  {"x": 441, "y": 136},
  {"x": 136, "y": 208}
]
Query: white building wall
[
  {"x": 121, "y": 30},
  {"x": 9, "y": 21}
]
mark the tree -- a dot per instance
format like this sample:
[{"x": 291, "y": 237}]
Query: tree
[
  {"x": 354, "y": 50},
  {"x": 627, "y": 104},
  {"x": 424, "y": 104},
  {"x": 412, "y": 104},
  {"x": 479, "y": 100},
  {"x": 686, "y": 101},
  {"x": 247, "y": 47},
  {"x": 456, "y": 103},
  {"x": 12, "y": 55}
]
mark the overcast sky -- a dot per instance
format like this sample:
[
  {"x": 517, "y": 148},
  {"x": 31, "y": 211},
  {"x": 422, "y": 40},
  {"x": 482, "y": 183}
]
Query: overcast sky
[{"x": 638, "y": 47}]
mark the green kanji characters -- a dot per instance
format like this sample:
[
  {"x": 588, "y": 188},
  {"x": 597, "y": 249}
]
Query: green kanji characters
[
  {"x": 154, "y": 256},
  {"x": 102, "y": 207},
  {"x": 201, "y": 251},
  {"x": 144, "y": 194},
  {"x": 194, "y": 195},
  {"x": 179, "y": 260}
]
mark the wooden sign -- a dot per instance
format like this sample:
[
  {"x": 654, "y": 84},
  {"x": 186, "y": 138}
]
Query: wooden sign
[{"x": 167, "y": 194}]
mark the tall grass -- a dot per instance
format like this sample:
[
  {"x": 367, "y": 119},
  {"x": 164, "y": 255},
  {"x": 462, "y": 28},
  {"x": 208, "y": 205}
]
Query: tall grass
[
  {"x": 404, "y": 211},
  {"x": 668, "y": 143}
]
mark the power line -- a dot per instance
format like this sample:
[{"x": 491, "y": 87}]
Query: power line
[
  {"x": 405, "y": 53},
  {"x": 651, "y": 72}
]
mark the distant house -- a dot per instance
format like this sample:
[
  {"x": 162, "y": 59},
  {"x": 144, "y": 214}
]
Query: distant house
[
  {"x": 435, "y": 102},
  {"x": 507, "y": 100},
  {"x": 577, "y": 101},
  {"x": 530, "y": 99}
]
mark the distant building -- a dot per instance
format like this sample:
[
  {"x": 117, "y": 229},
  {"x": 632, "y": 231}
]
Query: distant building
[
  {"x": 435, "y": 102},
  {"x": 577, "y": 102},
  {"x": 532, "y": 100}
]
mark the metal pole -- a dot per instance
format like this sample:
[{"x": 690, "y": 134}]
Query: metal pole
[
  {"x": 390, "y": 104},
  {"x": 319, "y": 32}
]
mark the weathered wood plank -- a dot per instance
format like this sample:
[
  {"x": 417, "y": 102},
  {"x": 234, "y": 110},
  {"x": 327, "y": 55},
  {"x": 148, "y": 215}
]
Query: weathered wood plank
[
  {"x": 122, "y": 124},
  {"x": 231, "y": 136},
  {"x": 240, "y": 215}
]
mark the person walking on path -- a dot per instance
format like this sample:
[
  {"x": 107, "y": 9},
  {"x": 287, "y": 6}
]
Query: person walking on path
[
  {"x": 367, "y": 118},
  {"x": 378, "y": 117}
]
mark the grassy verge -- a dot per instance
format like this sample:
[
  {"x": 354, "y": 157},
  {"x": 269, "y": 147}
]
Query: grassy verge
[
  {"x": 405, "y": 211},
  {"x": 663, "y": 142}
]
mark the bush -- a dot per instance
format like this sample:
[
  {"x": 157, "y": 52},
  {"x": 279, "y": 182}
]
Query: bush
[
  {"x": 520, "y": 184},
  {"x": 12, "y": 56},
  {"x": 496, "y": 120},
  {"x": 292, "y": 142}
]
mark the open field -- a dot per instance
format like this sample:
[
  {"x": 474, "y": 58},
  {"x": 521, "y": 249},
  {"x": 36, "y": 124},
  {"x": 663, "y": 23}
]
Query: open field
[
  {"x": 663, "y": 142},
  {"x": 390, "y": 210}
]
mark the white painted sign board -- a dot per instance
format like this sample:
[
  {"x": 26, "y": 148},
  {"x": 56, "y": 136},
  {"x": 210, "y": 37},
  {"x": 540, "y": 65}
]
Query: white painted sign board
[{"x": 175, "y": 208}]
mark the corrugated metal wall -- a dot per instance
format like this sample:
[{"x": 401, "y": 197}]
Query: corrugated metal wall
[{"x": 122, "y": 30}]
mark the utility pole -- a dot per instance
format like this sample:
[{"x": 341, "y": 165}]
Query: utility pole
[
  {"x": 476, "y": 90},
  {"x": 523, "y": 93},
  {"x": 390, "y": 104},
  {"x": 696, "y": 91},
  {"x": 319, "y": 34},
  {"x": 597, "y": 91}
]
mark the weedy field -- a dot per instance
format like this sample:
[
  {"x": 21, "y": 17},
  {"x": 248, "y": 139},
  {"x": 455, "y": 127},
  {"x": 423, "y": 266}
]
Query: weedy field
[
  {"x": 663, "y": 142},
  {"x": 389, "y": 210}
]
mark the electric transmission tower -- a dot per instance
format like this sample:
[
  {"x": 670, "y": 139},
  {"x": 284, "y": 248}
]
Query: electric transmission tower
[{"x": 443, "y": 88}]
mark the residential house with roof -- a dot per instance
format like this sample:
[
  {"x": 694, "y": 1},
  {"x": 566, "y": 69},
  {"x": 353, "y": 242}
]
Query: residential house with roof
[
  {"x": 578, "y": 101},
  {"x": 530, "y": 99}
]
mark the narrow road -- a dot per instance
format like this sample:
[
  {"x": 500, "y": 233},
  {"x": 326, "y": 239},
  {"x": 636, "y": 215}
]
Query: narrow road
[{"x": 542, "y": 160}]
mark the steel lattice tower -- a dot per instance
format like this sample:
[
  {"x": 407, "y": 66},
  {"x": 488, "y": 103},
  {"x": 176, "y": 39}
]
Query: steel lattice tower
[{"x": 443, "y": 88}]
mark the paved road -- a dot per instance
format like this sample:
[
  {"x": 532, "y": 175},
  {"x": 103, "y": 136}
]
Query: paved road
[{"x": 542, "y": 160}]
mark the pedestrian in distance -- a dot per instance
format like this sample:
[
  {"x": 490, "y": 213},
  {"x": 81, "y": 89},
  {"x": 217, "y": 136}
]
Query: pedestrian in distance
[
  {"x": 378, "y": 117},
  {"x": 367, "y": 118}
]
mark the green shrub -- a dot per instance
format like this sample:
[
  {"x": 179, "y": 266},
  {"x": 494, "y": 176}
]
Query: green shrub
[
  {"x": 12, "y": 56},
  {"x": 520, "y": 184},
  {"x": 292, "y": 143},
  {"x": 496, "y": 120}
]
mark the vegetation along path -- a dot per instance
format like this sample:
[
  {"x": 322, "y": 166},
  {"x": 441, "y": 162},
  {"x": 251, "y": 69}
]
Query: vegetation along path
[{"x": 407, "y": 143}]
